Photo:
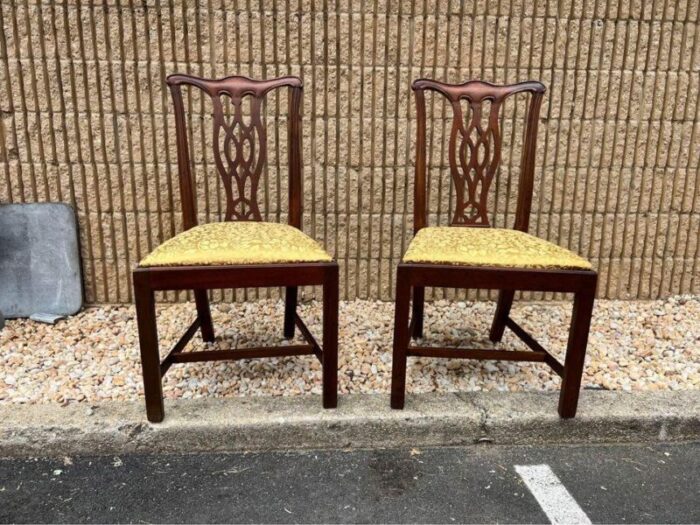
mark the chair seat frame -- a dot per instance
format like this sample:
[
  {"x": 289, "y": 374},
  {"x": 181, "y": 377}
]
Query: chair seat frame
[
  {"x": 468, "y": 174},
  {"x": 149, "y": 280},
  {"x": 240, "y": 171},
  {"x": 412, "y": 279}
]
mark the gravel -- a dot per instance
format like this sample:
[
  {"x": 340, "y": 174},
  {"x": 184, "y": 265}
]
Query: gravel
[{"x": 93, "y": 356}]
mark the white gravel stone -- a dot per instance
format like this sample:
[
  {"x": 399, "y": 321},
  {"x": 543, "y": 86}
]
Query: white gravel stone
[{"x": 94, "y": 355}]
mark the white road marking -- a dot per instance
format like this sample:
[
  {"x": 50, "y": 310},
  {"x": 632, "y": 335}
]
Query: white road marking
[{"x": 555, "y": 500}]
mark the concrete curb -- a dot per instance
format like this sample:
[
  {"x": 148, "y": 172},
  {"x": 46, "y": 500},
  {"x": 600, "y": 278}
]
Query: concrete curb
[{"x": 361, "y": 421}]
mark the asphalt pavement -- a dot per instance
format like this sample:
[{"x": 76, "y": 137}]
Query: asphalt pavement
[{"x": 474, "y": 484}]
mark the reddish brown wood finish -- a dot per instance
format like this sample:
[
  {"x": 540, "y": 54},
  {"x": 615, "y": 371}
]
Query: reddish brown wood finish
[
  {"x": 474, "y": 150},
  {"x": 240, "y": 151},
  {"x": 474, "y": 156},
  {"x": 238, "y": 156}
]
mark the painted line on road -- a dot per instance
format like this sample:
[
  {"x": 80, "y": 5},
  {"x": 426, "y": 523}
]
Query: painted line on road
[{"x": 556, "y": 502}]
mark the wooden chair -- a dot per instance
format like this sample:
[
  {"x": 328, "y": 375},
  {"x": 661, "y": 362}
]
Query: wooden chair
[
  {"x": 242, "y": 251},
  {"x": 475, "y": 255}
]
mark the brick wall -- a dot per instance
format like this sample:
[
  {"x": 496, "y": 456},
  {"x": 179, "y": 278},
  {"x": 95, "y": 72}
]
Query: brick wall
[{"x": 86, "y": 119}]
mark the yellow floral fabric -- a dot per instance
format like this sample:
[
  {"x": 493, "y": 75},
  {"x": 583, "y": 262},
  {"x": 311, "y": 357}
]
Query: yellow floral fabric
[
  {"x": 225, "y": 243},
  {"x": 489, "y": 247}
]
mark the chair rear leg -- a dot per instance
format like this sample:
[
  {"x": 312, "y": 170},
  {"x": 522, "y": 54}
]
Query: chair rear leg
[
  {"x": 401, "y": 338},
  {"x": 330, "y": 339},
  {"x": 204, "y": 313},
  {"x": 576, "y": 352},
  {"x": 418, "y": 311},
  {"x": 150, "y": 358},
  {"x": 505, "y": 301},
  {"x": 290, "y": 308}
]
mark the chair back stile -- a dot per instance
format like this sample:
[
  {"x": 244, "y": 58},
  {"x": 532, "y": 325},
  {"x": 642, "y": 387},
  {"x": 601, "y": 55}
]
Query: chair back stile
[
  {"x": 240, "y": 147},
  {"x": 475, "y": 149}
]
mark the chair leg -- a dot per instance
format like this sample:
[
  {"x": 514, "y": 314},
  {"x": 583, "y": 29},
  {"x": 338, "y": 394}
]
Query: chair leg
[
  {"x": 576, "y": 352},
  {"x": 205, "y": 324},
  {"x": 418, "y": 310},
  {"x": 150, "y": 359},
  {"x": 330, "y": 339},
  {"x": 505, "y": 301},
  {"x": 401, "y": 338},
  {"x": 290, "y": 308}
]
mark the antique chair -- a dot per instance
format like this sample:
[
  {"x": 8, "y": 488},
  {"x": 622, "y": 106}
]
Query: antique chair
[
  {"x": 471, "y": 254},
  {"x": 242, "y": 251}
]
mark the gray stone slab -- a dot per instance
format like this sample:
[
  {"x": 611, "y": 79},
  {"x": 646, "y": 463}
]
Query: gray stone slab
[{"x": 39, "y": 260}]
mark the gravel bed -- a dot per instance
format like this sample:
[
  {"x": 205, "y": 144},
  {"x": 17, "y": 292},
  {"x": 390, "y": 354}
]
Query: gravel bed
[{"x": 94, "y": 356}]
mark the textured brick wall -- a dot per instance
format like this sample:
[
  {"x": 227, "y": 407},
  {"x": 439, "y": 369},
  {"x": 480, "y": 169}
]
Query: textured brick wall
[{"x": 86, "y": 119}]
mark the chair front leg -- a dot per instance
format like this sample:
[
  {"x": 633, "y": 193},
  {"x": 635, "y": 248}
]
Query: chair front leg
[
  {"x": 401, "y": 338},
  {"x": 418, "y": 311},
  {"x": 290, "y": 309},
  {"x": 150, "y": 358},
  {"x": 204, "y": 313},
  {"x": 576, "y": 352},
  {"x": 505, "y": 301},
  {"x": 330, "y": 339}
]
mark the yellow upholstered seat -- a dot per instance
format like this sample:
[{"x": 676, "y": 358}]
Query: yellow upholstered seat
[
  {"x": 489, "y": 247},
  {"x": 224, "y": 243}
]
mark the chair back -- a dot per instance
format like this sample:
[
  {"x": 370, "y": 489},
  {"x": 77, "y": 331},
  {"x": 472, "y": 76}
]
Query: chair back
[
  {"x": 239, "y": 142},
  {"x": 475, "y": 147}
]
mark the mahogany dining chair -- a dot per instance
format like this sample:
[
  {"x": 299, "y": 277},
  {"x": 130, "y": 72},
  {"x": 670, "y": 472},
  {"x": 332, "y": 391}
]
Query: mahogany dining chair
[
  {"x": 241, "y": 251},
  {"x": 470, "y": 253}
]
